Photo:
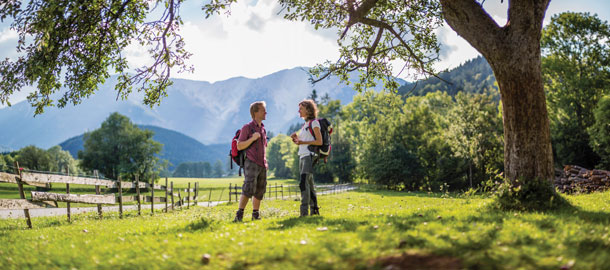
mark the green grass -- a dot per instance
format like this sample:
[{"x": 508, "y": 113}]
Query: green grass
[{"x": 357, "y": 230}]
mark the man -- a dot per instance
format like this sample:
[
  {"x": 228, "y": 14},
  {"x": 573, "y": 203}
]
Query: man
[{"x": 253, "y": 138}]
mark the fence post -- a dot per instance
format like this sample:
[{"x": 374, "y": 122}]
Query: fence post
[
  {"x": 180, "y": 199},
  {"x": 276, "y": 191},
  {"x": 172, "y": 193},
  {"x": 210, "y": 197},
  {"x": 235, "y": 187},
  {"x": 196, "y": 193},
  {"x": 282, "y": 186},
  {"x": 120, "y": 197},
  {"x": 188, "y": 197},
  {"x": 152, "y": 196},
  {"x": 138, "y": 194},
  {"x": 98, "y": 192},
  {"x": 68, "y": 192},
  {"x": 230, "y": 185},
  {"x": 26, "y": 212},
  {"x": 166, "y": 187}
]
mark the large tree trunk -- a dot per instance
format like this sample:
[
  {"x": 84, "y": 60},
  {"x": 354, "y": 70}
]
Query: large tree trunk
[
  {"x": 513, "y": 51},
  {"x": 527, "y": 140}
]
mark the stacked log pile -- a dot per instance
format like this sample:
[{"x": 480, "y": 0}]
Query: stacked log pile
[{"x": 578, "y": 179}]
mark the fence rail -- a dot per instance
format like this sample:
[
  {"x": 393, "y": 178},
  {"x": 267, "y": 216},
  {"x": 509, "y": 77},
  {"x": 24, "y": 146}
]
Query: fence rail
[{"x": 75, "y": 198}]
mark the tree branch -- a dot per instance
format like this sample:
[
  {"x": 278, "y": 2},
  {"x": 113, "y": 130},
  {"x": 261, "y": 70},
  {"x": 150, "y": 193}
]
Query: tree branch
[{"x": 473, "y": 23}]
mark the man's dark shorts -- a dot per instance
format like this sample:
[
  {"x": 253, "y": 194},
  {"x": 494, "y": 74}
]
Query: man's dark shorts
[{"x": 255, "y": 183}]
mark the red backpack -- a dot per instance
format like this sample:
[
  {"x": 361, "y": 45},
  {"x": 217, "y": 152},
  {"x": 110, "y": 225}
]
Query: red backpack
[{"x": 237, "y": 156}]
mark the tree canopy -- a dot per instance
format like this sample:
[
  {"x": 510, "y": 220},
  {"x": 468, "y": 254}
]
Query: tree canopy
[
  {"x": 576, "y": 69},
  {"x": 119, "y": 148},
  {"x": 78, "y": 44}
]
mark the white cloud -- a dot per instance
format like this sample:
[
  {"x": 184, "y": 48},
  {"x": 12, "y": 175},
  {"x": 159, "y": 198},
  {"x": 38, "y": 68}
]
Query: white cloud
[
  {"x": 228, "y": 46},
  {"x": 8, "y": 34},
  {"x": 454, "y": 49}
]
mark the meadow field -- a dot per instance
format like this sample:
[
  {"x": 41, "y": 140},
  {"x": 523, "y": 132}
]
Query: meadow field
[{"x": 364, "y": 229}]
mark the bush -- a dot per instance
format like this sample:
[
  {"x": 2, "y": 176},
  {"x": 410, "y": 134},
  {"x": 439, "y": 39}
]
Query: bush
[{"x": 528, "y": 195}]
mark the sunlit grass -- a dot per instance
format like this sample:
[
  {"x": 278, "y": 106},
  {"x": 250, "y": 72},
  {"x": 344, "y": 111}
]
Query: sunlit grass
[{"x": 354, "y": 231}]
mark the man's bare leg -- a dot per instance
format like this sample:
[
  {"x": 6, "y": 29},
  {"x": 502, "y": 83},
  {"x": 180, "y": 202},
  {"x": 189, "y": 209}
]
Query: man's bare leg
[
  {"x": 256, "y": 203},
  {"x": 243, "y": 201}
]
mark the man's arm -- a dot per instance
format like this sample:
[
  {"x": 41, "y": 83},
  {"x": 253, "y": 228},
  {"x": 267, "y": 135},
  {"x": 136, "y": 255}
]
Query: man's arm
[{"x": 241, "y": 145}]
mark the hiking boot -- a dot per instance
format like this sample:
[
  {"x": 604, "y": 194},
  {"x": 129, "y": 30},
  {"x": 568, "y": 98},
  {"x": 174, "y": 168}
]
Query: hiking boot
[
  {"x": 256, "y": 215},
  {"x": 315, "y": 211},
  {"x": 239, "y": 216}
]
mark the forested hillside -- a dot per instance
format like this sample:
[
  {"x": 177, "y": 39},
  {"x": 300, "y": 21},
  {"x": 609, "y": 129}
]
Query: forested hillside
[{"x": 474, "y": 76}]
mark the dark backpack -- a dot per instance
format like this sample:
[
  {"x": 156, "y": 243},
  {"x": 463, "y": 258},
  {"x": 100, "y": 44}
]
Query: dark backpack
[
  {"x": 237, "y": 156},
  {"x": 326, "y": 129}
]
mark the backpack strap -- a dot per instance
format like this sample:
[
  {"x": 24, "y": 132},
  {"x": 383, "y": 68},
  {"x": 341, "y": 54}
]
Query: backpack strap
[{"x": 311, "y": 129}]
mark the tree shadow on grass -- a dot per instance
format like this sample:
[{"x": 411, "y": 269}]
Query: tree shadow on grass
[
  {"x": 570, "y": 214},
  {"x": 595, "y": 217},
  {"x": 201, "y": 224},
  {"x": 343, "y": 224},
  {"x": 351, "y": 224}
]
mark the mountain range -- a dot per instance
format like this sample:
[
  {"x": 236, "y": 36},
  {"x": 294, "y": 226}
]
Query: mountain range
[
  {"x": 177, "y": 147},
  {"x": 208, "y": 112}
]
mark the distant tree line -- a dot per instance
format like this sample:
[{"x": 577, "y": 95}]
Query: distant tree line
[
  {"x": 33, "y": 158},
  {"x": 199, "y": 169}
]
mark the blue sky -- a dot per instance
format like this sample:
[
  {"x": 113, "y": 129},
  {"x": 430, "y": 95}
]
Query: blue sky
[{"x": 254, "y": 41}]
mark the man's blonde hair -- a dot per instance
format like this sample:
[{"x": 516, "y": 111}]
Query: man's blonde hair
[{"x": 255, "y": 106}]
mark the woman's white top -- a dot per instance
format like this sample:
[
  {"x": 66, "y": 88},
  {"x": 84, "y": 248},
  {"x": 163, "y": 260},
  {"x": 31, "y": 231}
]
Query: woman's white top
[{"x": 305, "y": 135}]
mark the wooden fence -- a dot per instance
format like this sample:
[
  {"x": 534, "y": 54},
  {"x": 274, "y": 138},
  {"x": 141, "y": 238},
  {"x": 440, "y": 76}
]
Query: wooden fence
[
  {"x": 113, "y": 193},
  {"x": 43, "y": 199}
]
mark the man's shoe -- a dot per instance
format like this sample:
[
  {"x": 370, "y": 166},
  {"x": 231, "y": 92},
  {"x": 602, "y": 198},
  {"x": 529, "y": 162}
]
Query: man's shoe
[
  {"x": 315, "y": 211},
  {"x": 256, "y": 215},
  {"x": 239, "y": 216}
]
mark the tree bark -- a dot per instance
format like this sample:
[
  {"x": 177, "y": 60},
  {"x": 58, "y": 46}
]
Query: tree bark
[{"x": 513, "y": 52}]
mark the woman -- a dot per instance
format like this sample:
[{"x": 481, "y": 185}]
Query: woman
[{"x": 309, "y": 112}]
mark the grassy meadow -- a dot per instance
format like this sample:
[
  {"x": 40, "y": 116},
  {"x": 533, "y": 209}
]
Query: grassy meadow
[{"x": 365, "y": 229}]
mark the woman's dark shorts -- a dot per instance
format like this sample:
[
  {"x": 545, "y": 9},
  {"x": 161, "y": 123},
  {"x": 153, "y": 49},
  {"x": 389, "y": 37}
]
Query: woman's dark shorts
[{"x": 255, "y": 182}]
